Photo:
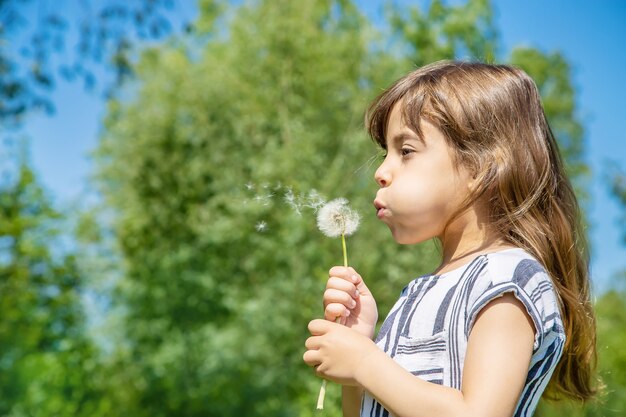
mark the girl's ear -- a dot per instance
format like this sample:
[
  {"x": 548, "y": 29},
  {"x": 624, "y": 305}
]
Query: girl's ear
[{"x": 472, "y": 184}]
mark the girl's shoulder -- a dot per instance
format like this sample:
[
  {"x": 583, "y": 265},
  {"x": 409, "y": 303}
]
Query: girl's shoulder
[
  {"x": 518, "y": 272},
  {"x": 514, "y": 265},
  {"x": 515, "y": 270}
]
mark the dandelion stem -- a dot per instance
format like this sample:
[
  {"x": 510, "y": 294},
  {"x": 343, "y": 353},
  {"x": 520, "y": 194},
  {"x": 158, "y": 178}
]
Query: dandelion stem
[
  {"x": 320, "y": 397},
  {"x": 334, "y": 219}
]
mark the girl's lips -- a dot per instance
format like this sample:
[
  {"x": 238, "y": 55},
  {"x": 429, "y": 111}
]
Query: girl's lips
[{"x": 380, "y": 209}]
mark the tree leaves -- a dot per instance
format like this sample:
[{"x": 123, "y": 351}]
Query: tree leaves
[{"x": 45, "y": 353}]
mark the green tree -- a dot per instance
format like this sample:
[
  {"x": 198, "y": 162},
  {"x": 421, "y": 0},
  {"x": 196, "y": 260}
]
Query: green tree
[
  {"x": 617, "y": 179},
  {"x": 611, "y": 308},
  {"x": 443, "y": 31},
  {"x": 45, "y": 356},
  {"x": 33, "y": 53}
]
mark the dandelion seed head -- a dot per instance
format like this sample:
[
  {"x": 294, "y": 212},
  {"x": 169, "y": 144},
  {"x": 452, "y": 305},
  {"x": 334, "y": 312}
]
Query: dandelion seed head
[{"x": 336, "y": 218}]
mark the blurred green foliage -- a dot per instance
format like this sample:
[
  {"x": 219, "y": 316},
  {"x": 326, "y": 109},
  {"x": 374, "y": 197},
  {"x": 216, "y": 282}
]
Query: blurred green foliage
[
  {"x": 46, "y": 359},
  {"x": 204, "y": 248}
]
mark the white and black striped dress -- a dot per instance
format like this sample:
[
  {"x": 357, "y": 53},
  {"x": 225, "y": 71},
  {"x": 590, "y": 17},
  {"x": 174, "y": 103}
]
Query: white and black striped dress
[{"x": 427, "y": 330}]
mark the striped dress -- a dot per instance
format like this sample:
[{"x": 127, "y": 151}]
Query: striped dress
[{"x": 426, "y": 331}]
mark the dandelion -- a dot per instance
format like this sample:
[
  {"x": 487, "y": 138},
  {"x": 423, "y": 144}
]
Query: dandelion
[{"x": 335, "y": 219}]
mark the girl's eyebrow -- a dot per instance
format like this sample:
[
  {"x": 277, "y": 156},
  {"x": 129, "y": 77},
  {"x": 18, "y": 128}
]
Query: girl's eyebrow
[{"x": 401, "y": 137}]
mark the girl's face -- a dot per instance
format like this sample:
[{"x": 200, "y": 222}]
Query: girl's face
[{"x": 420, "y": 186}]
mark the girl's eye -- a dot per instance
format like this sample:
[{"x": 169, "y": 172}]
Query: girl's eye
[
  {"x": 383, "y": 155},
  {"x": 406, "y": 151}
]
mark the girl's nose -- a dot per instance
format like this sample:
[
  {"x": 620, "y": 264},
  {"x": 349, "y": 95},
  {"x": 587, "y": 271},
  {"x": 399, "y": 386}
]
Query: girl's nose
[{"x": 382, "y": 176}]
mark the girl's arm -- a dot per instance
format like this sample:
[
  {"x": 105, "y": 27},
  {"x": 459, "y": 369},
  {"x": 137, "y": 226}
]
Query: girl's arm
[
  {"x": 496, "y": 365},
  {"x": 351, "y": 401}
]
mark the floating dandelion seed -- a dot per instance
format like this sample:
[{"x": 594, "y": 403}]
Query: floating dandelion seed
[
  {"x": 268, "y": 199},
  {"x": 315, "y": 200},
  {"x": 265, "y": 194},
  {"x": 264, "y": 199},
  {"x": 261, "y": 226},
  {"x": 334, "y": 219},
  {"x": 289, "y": 197},
  {"x": 292, "y": 201}
]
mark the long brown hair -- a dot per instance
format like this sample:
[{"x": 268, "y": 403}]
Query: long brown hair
[{"x": 492, "y": 117}]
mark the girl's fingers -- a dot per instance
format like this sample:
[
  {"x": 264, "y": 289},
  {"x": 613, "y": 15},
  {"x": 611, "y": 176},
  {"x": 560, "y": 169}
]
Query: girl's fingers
[
  {"x": 358, "y": 282},
  {"x": 341, "y": 284},
  {"x": 335, "y": 310},
  {"x": 349, "y": 275},
  {"x": 346, "y": 273},
  {"x": 318, "y": 327},
  {"x": 311, "y": 357},
  {"x": 333, "y": 296},
  {"x": 312, "y": 342}
]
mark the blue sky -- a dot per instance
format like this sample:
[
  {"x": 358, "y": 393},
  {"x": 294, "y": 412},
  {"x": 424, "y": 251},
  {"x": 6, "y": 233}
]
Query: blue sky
[{"x": 591, "y": 35}]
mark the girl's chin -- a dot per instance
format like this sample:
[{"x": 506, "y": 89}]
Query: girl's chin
[{"x": 403, "y": 237}]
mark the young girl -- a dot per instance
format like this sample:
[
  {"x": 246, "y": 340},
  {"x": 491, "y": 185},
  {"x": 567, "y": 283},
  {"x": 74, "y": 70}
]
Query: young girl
[{"x": 471, "y": 161}]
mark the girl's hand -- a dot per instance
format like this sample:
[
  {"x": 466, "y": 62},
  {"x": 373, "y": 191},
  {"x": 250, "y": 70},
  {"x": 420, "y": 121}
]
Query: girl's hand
[
  {"x": 338, "y": 353},
  {"x": 348, "y": 298}
]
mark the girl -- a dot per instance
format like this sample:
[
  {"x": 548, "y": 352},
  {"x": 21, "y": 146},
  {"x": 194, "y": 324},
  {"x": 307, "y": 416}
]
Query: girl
[{"x": 471, "y": 161}]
